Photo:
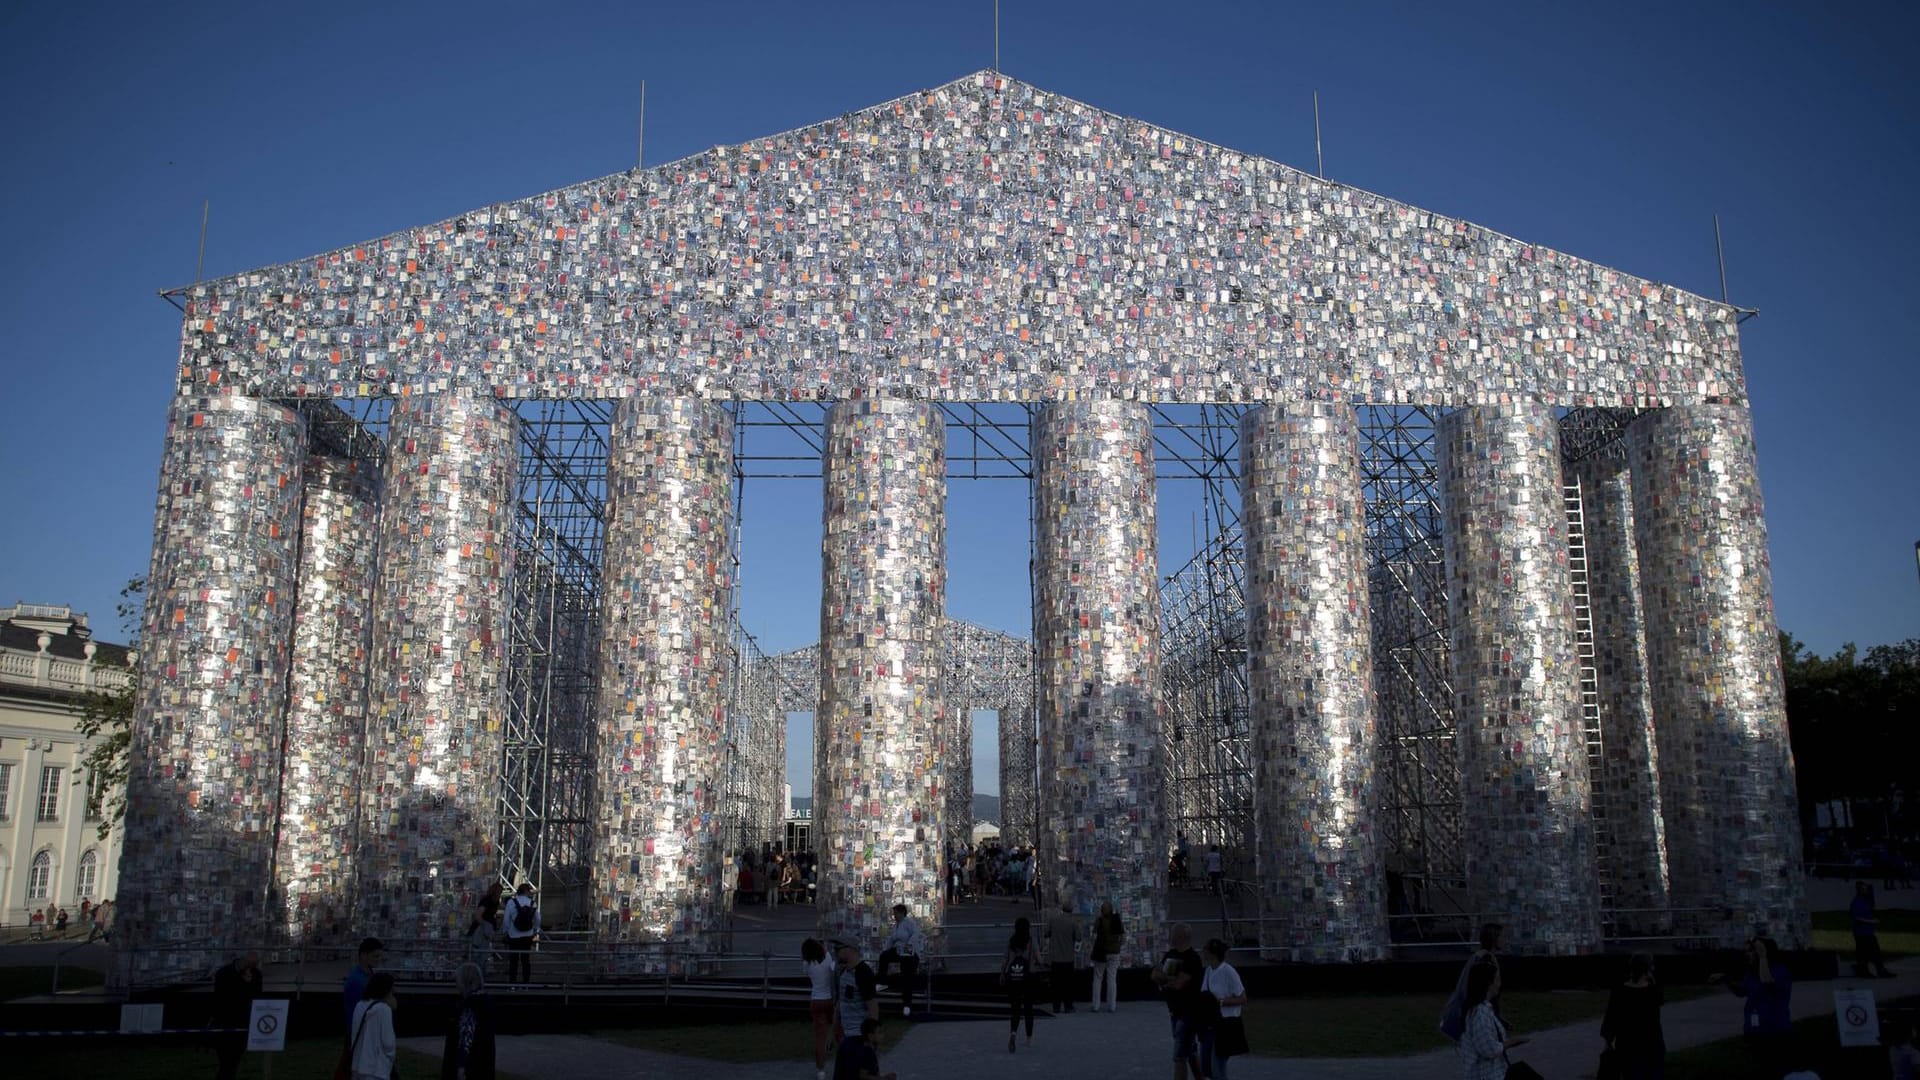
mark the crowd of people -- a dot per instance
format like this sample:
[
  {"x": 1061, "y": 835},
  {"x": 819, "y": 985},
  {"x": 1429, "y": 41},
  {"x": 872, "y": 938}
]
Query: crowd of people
[
  {"x": 95, "y": 919},
  {"x": 989, "y": 869},
  {"x": 772, "y": 877}
]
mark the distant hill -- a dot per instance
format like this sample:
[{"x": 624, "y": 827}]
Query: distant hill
[{"x": 985, "y": 807}]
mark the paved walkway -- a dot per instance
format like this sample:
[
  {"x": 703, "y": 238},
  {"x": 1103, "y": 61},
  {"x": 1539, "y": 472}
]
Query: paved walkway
[{"x": 1133, "y": 1044}]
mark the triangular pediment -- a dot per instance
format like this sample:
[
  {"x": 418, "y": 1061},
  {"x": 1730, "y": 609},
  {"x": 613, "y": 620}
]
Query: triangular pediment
[{"x": 982, "y": 240}]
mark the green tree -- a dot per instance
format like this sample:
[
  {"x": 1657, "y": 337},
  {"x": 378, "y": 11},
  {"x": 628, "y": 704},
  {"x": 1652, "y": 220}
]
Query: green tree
[
  {"x": 1850, "y": 716},
  {"x": 106, "y": 723}
]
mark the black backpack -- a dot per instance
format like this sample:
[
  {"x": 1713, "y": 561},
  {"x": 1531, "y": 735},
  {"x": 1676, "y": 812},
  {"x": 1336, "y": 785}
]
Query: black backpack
[
  {"x": 523, "y": 916},
  {"x": 1017, "y": 967}
]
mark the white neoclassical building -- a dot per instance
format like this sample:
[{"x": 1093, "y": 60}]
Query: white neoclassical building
[{"x": 51, "y": 853}]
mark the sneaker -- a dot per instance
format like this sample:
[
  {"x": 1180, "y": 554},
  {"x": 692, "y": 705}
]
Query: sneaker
[{"x": 906, "y": 1010}]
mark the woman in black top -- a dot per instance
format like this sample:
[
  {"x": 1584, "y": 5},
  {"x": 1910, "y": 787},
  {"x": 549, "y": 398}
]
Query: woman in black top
[
  {"x": 1632, "y": 1026},
  {"x": 1017, "y": 970}
]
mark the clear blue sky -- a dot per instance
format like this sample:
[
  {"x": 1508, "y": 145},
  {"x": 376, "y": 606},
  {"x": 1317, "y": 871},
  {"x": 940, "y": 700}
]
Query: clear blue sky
[{"x": 1612, "y": 133}]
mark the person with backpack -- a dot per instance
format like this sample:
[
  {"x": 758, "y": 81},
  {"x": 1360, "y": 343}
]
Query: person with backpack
[
  {"x": 372, "y": 1047},
  {"x": 469, "y": 1052},
  {"x": 1017, "y": 969},
  {"x": 522, "y": 917}
]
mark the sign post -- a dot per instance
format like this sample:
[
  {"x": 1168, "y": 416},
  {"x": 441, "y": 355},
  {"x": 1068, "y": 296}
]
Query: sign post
[{"x": 267, "y": 1027}]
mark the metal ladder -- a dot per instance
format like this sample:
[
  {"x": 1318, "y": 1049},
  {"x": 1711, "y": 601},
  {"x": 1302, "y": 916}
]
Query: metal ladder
[{"x": 1585, "y": 653}]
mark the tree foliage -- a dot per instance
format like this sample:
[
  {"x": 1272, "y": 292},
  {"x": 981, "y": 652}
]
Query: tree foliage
[
  {"x": 1851, "y": 717},
  {"x": 106, "y": 723}
]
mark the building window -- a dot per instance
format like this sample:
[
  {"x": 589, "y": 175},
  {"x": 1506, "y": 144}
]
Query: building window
[
  {"x": 96, "y": 795},
  {"x": 6, "y": 789},
  {"x": 39, "y": 875},
  {"x": 49, "y": 793},
  {"x": 89, "y": 873}
]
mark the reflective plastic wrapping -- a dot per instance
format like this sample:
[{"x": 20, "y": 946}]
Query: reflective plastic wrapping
[
  {"x": 978, "y": 241},
  {"x": 880, "y": 794},
  {"x": 204, "y": 764},
  {"x": 988, "y": 669},
  {"x": 1525, "y": 805},
  {"x": 1097, "y": 620},
  {"x": 327, "y": 700},
  {"x": 1314, "y": 722},
  {"x": 1713, "y": 658},
  {"x": 958, "y": 758},
  {"x": 437, "y": 693},
  {"x": 1627, "y": 796},
  {"x": 1019, "y": 758},
  {"x": 664, "y": 659}
]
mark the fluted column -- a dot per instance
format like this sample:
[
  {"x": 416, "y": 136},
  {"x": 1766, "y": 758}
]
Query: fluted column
[
  {"x": 1628, "y": 795},
  {"x": 1314, "y": 719},
  {"x": 437, "y": 701},
  {"x": 664, "y": 659},
  {"x": 880, "y": 795},
  {"x": 327, "y": 701},
  {"x": 204, "y": 761},
  {"x": 1525, "y": 803},
  {"x": 1097, "y": 623},
  {"x": 1713, "y": 658}
]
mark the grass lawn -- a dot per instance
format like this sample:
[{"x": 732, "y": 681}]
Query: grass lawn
[
  {"x": 1899, "y": 932},
  {"x": 19, "y": 982},
  {"x": 741, "y": 1040},
  {"x": 90, "y": 1060},
  {"x": 1816, "y": 1046},
  {"x": 1392, "y": 1025}
]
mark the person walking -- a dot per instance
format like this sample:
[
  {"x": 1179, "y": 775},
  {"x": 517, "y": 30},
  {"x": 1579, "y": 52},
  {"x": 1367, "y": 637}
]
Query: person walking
[
  {"x": 102, "y": 923},
  {"x": 820, "y": 978},
  {"x": 1109, "y": 938},
  {"x": 1632, "y": 1024},
  {"x": 902, "y": 950},
  {"x": 469, "y": 1050},
  {"x": 484, "y": 925},
  {"x": 366, "y": 961},
  {"x": 1222, "y": 980},
  {"x": 1063, "y": 946},
  {"x": 1867, "y": 959},
  {"x": 1453, "y": 1019},
  {"x": 1178, "y": 977},
  {"x": 522, "y": 918},
  {"x": 1017, "y": 969},
  {"x": 1484, "y": 1043},
  {"x": 858, "y": 1000},
  {"x": 1216, "y": 869},
  {"x": 235, "y": 986},
  {"x": 372, "y": 1048}
]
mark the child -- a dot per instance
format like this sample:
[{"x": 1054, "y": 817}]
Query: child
[{"x": 859, "y": 1058}]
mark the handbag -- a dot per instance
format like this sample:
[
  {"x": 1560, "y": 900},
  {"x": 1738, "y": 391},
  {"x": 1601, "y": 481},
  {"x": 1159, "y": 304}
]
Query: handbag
[{"x": 1230, "y": 1038}]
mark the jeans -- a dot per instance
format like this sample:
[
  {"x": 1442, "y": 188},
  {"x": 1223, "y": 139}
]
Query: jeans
[
  {"x": 909, "y": 971},
  {"x": 520, "y": 959},
  {"x": 1062, "y": 986},
  {"x": 1106, "y": 983},
  {"x": 1219, "y": 1066},
  {"x": 1019, "y": 1004}
]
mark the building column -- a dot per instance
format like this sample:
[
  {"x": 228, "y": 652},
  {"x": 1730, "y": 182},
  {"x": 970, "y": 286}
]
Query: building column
[
  {"x": 203, "y": 778},
  {"x": 1525, "y": 803},
  {"x": 1097, "y": 630},
  {"x": 1627, "y": 796},
  {"x": 1314, "y": 719},
  {"x": 437, "y": 698},
  {"x": 1713, "y": 659},
  {"x": 327, "y": 702},
  {"x": 664, "y": 660},
  {"x": 959, "y": 780},
  {"x": 879, "y": 794},
  {"x": 1018, "y": 809}
]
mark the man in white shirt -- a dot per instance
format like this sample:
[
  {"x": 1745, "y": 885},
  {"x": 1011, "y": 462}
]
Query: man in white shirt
[
  {"x": 902, "y": 949},
  {"x": 522, "y": 918}
]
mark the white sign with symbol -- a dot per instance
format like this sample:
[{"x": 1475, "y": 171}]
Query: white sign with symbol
[
  {"x": 1859, "y": 1018},
  {"x": 267, "y": 1029},
  {"x": 141, "y": 1018}
]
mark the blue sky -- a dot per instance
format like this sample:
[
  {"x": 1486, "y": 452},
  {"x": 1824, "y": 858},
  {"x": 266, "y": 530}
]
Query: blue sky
[{"x": 1613, "y": 133}]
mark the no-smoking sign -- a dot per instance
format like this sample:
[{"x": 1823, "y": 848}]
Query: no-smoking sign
[
  {"x": 1858, "y": 1017},
  {"x": 267, "y": 1027}
]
